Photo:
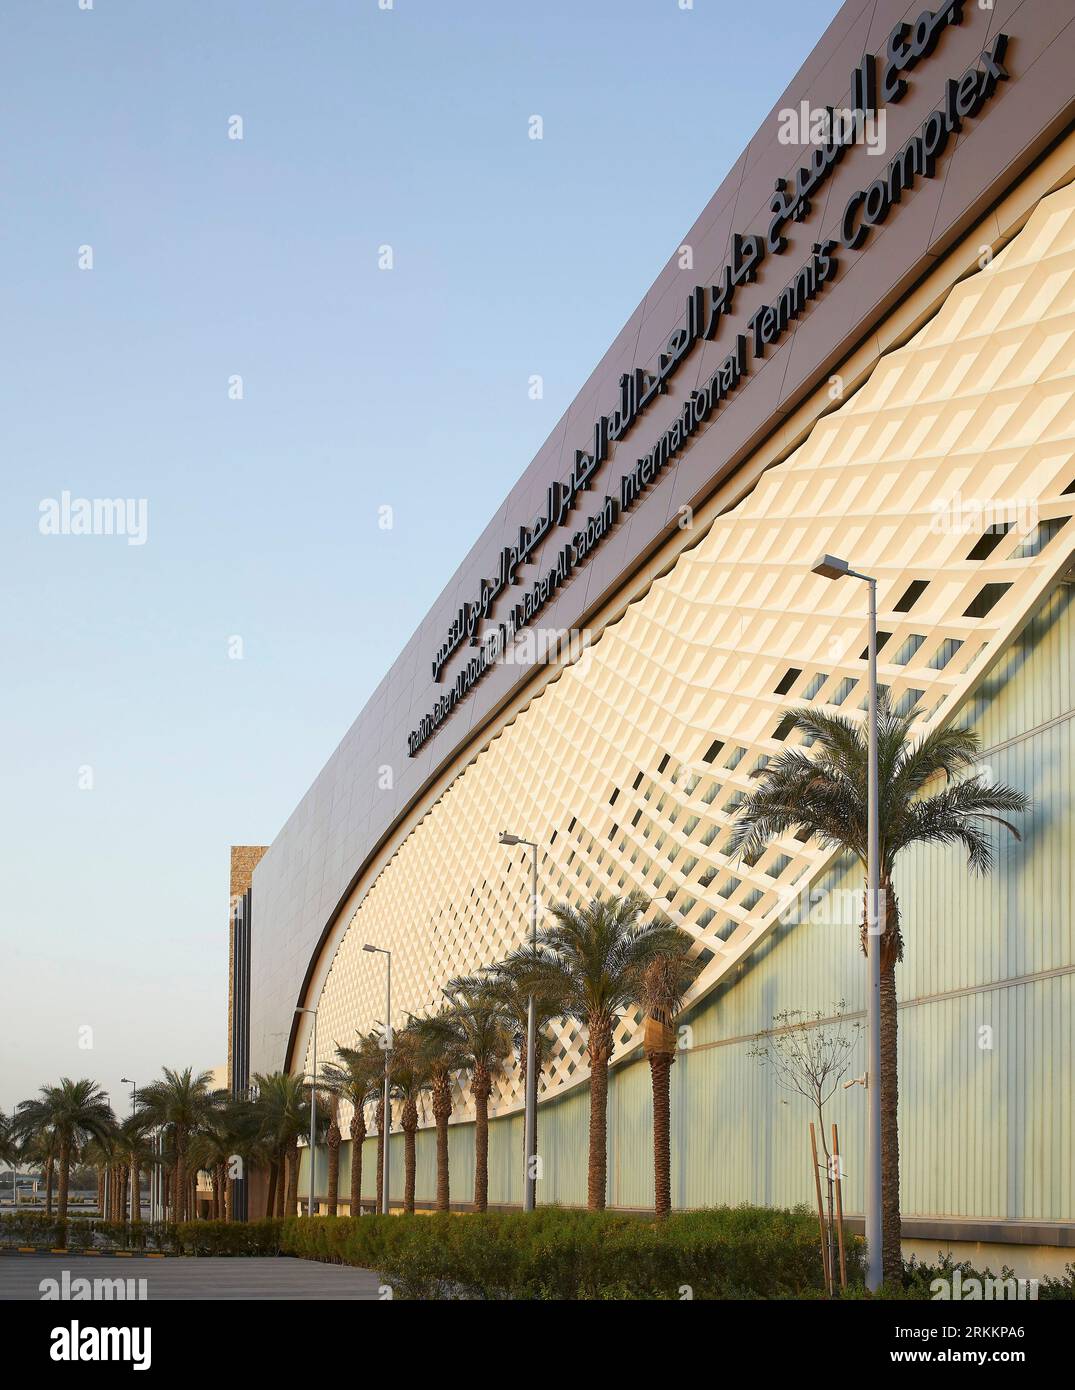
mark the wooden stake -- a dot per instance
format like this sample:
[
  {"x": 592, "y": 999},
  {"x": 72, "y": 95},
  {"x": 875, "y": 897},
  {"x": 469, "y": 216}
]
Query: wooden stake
[
  {"x": 839, "y": 1204},
  {"x": 820, "y": 1212}
]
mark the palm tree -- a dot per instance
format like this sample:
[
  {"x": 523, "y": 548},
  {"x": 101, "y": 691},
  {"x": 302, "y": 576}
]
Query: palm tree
[
  {"x": 665, "y": 982},
  {"x": 442, "y": 1055},
  {"x": 325, "y": 1119},
  {"x": 410, "y": 1077},
  {"x": 593, "y": 959},
  {"x": 133, "y": 1147},
  {"x": 357, "y": 1078},
  {"x": 472, "y": 1029},
  {"x": 72, "y": 1113},
  {"x": 381, "y": 1118},
  {"x": 37, "y": 1147},
  {"x": 264, "y": 1140},
  {"x": 510, "y": 984},
  {"x": 824, "y": 792},
  {"x": 9, "y": 1151},
  {"x": 184, "y": 1100},
  {"x": 99, "y": 1154},
  {"x": 9, "y": 1147},
  {"x": 329, "y": 1102},
  {"x": 229, "y": 1131},
  {"x": 283, "y": 1109}
]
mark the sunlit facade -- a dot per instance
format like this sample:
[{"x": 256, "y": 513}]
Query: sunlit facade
[{"x": 921, "y": 423}]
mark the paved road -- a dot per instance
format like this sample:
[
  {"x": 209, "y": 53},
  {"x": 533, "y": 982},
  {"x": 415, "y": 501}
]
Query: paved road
[{"x": 211, "y": 1277}]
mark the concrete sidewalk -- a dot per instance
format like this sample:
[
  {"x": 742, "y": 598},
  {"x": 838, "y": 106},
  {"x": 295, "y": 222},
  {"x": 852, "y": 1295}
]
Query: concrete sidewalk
[{"x": 211, "y": 1277}]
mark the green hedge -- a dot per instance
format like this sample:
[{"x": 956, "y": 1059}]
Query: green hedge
[
  {"x": 730, "y": 1252},
  {"x": 83, "y": 1233},
  {"x": 188, "y": 1238},
  {"x": 228, "y": 1237},
  {"x": 740, "y": 1252}
]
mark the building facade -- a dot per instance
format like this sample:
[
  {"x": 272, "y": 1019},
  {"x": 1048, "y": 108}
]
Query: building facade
[{"x": 864, "y": 351}]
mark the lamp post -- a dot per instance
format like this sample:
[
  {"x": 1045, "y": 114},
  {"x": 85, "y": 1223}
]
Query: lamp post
[
  {"x": 831, "y": 567},
  {"x": 313, "y": 1109},
  {"x": 530, "y": 1121},
  {"x": 163, "y": 1184},
  {"x": 135, "y": 1196},
  {"x": 380, "y": 950}
]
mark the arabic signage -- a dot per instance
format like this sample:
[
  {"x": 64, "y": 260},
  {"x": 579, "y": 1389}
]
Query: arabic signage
[{"x": 706, "y": 308}]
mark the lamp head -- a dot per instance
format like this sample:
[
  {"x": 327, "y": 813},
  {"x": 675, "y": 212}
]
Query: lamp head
[
  {"x": 831, "y": 567},
  {"x": 368, "y": 947},
  {"x": 506, "y": 839}
]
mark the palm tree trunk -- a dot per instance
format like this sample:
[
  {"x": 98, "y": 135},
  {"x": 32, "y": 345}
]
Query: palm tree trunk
[
  {"x": 442, "y": 1109},
  {"x": 48, "y": 1185},
  {"x": 380, "y": 1154},
  {"x": 281, "y": 1186},
  {"x": 480, "y": 1088},
  {"x": 64, "y": 1183},
  {"x": 136, "y": 1192},
  {"x": 358, "y": 1135},
  {"x": 180, "y": 1175},
  {"x": 100, "y": 1191},
  {"x": 293, "y": 1178},
  {"x": 660, "y": 1066},
  {"x": 597, "y": 1176},
  {"x": 409, "y": 1124},
  {"x": 270, "y": 1196},
  {"x": 333, "y": 1141},
  {"x": 890, "y": 1134}
]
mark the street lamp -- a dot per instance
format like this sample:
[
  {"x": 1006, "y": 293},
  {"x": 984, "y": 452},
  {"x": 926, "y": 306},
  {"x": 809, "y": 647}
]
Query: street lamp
[
  {"x": 831, "y": 567},
  {"x": 530, "y": 1121},
  {"x": 163, "y": 1186},
  {"x": 380, "y": 950},
  {"x": 313, "y": 1109},
  {"x": 135, "y": 1196}
]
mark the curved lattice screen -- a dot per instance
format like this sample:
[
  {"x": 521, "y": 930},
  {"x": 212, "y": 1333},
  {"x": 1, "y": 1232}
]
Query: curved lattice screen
[{"x": 628, "y": 768}]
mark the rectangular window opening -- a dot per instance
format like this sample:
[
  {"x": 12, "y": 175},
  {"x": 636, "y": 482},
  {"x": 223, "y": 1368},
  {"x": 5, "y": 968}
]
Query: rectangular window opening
[
  {"x": 911, "y": 595},
  {"x": 985, "y": 600},
  {"x": 787, "y": 680}
]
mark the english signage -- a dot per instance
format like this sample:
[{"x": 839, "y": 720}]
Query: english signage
[{"x": 706, "y": 309}]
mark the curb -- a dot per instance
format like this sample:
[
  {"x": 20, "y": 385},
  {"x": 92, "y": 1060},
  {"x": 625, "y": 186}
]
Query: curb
[{"x": 78, "y": 1254}]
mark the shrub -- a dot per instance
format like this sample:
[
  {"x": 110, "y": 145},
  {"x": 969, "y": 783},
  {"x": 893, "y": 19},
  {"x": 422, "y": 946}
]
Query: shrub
[
  {"x": 84, "y": 1233},
  {"x": 228, "y": 1237},
  {"x": 738, "y": 1252},
  {"x": 31, "y": 1228},
  {"x": 918, "y": 1278}
]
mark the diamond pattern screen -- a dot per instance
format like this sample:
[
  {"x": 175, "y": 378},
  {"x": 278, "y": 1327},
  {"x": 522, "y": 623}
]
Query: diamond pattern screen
[{"x": 950, "y": 476}]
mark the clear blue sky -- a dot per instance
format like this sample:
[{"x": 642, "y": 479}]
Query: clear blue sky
[{"x": 214, "y": 257}]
